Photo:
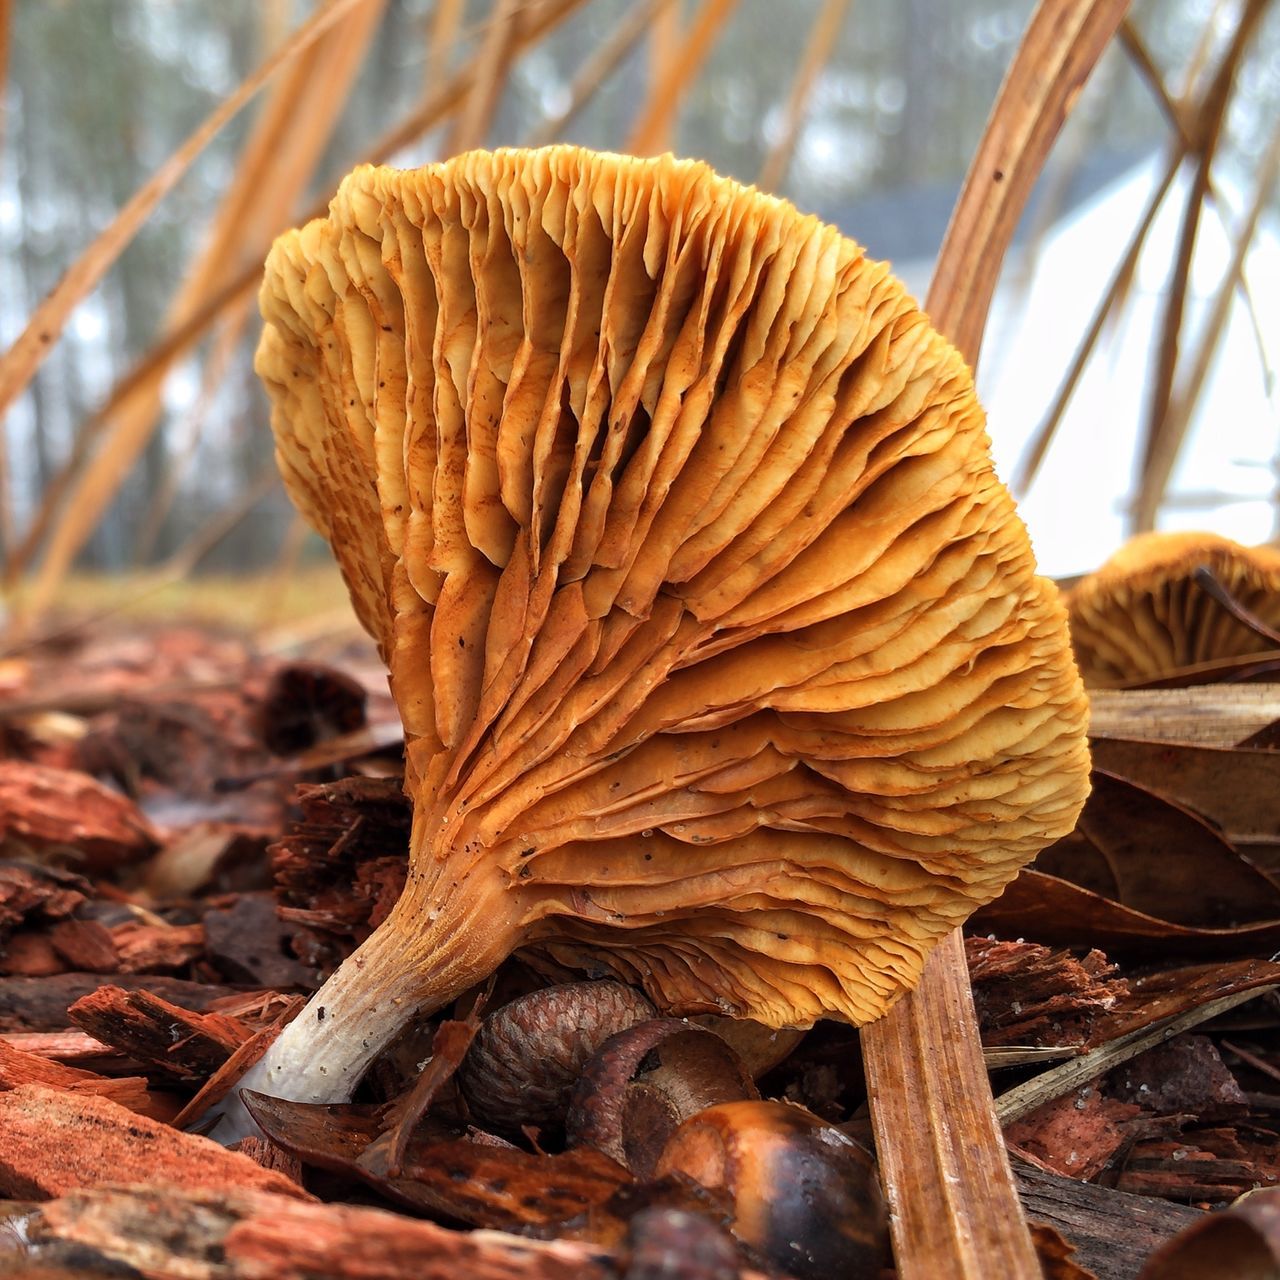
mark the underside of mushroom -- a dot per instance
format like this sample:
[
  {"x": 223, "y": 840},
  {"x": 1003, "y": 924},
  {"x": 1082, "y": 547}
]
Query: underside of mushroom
[
  {"x": 1168, "y": 601},
  {"x": 722, "y": 660}
]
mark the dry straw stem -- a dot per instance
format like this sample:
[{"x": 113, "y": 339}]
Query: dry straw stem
[
  {"x": 599, "y": 67},
  {"x": 1205, "y": 715},
  {"x": 1162, "y": 435},
  {"x": 1177, "y": 112},
  {"x": 1188, "y": 393},
  {"x": 1038, "y": 446},
  {"x": 936, "y": 1132},
  {"x": 822, "y": 43},
  {"x": 496, "y": 51},
  {"x": 650, "y": 132},
  {"x": 7, "y": 530},
  {"x": 28, "y": 352},
  {"x": 664, "y": 49},
  {"x": 446, "y": 19},
  {"x": 283, "y": 149}
]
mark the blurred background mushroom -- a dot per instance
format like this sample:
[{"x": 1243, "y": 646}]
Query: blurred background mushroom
[
  {"x": 1167, "y": 602},
  {"x": 722, "y": 660}
]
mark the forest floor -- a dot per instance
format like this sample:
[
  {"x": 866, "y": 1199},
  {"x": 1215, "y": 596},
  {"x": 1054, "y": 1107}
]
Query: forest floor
[{"x": 199, "y": 822}]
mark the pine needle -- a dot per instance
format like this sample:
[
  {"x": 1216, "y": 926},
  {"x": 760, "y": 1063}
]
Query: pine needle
[{"x": 282, "y": 151}]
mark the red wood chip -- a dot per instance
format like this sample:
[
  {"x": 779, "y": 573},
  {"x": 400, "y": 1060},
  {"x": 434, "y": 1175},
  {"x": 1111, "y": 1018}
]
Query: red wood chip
[{"x": 53, "y": 1142}]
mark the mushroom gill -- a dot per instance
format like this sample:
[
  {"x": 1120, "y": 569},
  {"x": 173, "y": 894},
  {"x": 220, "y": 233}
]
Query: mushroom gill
[
  {"x": 722, "y": 660},
  {"x": 1163, "y": 602}
]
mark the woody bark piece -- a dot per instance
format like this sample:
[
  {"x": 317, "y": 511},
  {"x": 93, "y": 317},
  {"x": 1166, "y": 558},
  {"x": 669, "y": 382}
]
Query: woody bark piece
[
  {"x": 41, "y": 1004},
  {"x": 1026, "y": 994},
  {"x": 85, "y": 945},
  {"x": 72, "y": 1047},
  {"x": 189, "y": 1046},
  {"x": 1113, "y": 1231},
  {"x": 253, "y": 1235},
  {"x": 30, "y": 893},
  {"x": 246, "y": 941},
  {"x": 265, "y": 1152},
  {"x": 19, "y": 1067},
  {"x": 340, "y": 869},
  {"x": 30, "y": 954},
  {"x": 227, "y": 1076},
  {"x": 53, "y": 1141},
  {"x": 148, "y": 948},
  {"x": 61, "y": 809}
]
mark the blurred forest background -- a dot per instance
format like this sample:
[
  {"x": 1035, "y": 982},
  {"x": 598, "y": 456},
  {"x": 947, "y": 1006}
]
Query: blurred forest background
[{"x": 143, "y": 439}]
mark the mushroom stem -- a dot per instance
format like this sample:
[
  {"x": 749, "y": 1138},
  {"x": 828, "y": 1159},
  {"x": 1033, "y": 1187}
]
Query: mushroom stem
[{"x": 446, "y": 933}]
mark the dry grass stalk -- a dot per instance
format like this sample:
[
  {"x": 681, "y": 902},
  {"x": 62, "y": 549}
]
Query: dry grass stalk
[
  {"x": 7, "y": 530},
  {"x": 534, "y": 23},
  {"x": 1060, "y": 48},
  {"x": 599, "y": 67},
  {"x": 1162, "y": 436},
  {"x": 160, "y": 357},
  {"x": 1038, "y": 446},
  {"x": 446, "y": 19},
  {"x": 822, "y": 43},
  {"x": 651, "y": 130},
  {"x": 1177, "y": 111},
  {"x": 27, "y": 354},
  {"x": 664, "y": 49},
  {"x": 281, "y": 153},
  {"x": 936, "y": 1131},
  {"x": 496, "y": 51},
  {"x": 1183, "y": 403}
]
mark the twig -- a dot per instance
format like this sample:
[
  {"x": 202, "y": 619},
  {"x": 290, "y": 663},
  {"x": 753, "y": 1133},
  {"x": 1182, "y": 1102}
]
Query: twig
[
  {"x": 822, "y": 43},
  {"x": 1038, "y": 446},
  {"x": 496, "y": 51},
  {"x": 1183, "y": 403},
  {"x": 598, "y": 67},
  {"x": 446, "y": 18}
]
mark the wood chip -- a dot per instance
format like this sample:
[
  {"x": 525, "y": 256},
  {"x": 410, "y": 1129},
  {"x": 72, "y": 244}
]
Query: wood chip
[
  {"x": 186, "y": 1045},
  {"x": 202, "y": 1235},
  {"x": 53, "y": 1141},
  {"x": 151, "y": 948},
  {"x": 40, "y": 1004},
  {"x": 19, "y": 1067},
  {"x": 61, "y": 809}
]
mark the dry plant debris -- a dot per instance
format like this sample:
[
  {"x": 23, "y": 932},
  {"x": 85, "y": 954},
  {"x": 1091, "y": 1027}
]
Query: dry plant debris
[{"x": 203, "y": 974}]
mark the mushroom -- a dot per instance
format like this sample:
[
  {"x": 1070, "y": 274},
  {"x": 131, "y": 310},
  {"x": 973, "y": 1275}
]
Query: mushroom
[
  {"x": 722, "y": 660},
  {"x": 1170, "y": 600}
]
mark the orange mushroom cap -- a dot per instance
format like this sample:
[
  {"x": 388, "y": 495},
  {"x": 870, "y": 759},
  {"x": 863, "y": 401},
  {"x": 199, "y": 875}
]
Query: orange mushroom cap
[
  {"x": 722, "y": 659},
  {"x": 1143, "y": 614}
]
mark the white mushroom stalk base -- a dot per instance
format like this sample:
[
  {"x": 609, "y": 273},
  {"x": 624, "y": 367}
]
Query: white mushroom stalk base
[{"x": 421, "y": 957}]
